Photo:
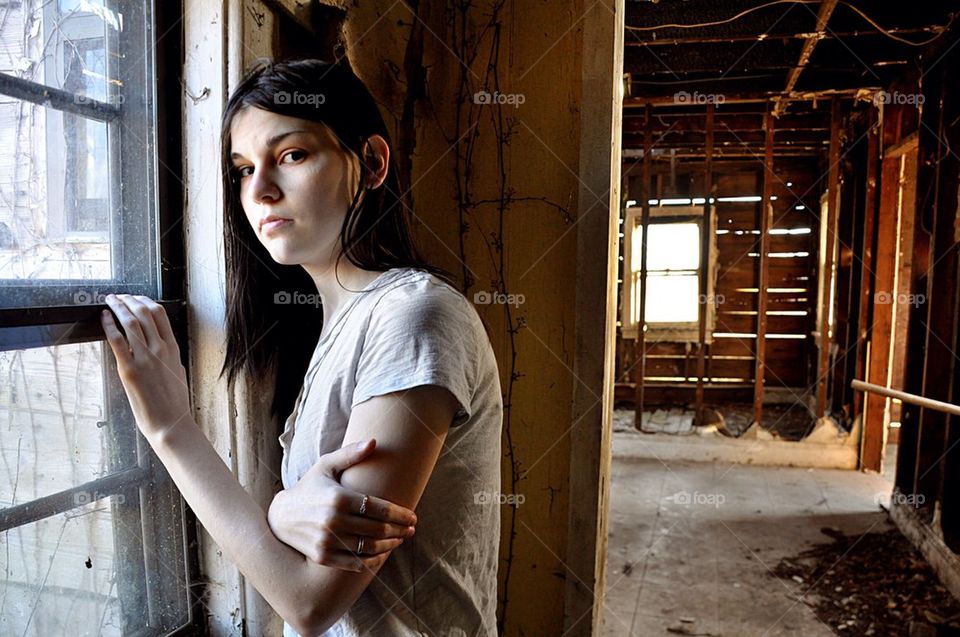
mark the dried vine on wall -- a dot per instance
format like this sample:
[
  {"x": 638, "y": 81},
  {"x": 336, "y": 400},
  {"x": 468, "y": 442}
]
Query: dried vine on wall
[{"x": 474, "y": 32}]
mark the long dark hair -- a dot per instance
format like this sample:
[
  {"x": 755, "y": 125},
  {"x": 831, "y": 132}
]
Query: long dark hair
[{"x": 265, "y": 336}]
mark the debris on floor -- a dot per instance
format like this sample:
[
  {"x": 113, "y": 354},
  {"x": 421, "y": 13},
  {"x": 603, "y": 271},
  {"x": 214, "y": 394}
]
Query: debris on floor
[
  {"x": 826, "y": 431},
  {"x": 786, "y": 421},
  {"x": 756, "y": 432},
  {"x": 675, "y": 421},
  {"x": 737, "y": 419},
  {"x": 781, "y": 421},
  {"x": 872, "y": 584},
  {"x": 686, "y": 627}
]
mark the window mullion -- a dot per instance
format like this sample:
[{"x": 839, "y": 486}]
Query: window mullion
[
  {"x": 57, "y": 99},
  {"x": 53, "y": 504},
  {"x": 132, "y": 156}
]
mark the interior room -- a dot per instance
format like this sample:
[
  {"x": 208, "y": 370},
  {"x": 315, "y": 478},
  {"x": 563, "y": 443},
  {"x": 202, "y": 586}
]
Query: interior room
[{"x": 704, "y": 263}]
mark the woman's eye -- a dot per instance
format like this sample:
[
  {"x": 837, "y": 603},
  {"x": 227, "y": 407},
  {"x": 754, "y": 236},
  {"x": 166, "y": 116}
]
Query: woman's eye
[
  {"x": 242, "y": 171},
  {"x": 293, "y": 156}
]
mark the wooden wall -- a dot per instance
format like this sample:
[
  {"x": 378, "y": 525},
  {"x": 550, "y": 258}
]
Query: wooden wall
[
  {"x": 926, "y": 503},
  {"x": 731, "y": 354},
  {"x": 928, "y": 462}
]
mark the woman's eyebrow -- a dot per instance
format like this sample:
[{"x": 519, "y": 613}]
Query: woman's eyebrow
[{"x": 272, "y": 141}]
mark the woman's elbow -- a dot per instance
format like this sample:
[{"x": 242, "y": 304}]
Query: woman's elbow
[
  {"x": 307, "y": 617},
  {"x": 312, "y": 623},
  {"x": 327, "y": 596},
  {"x": 320, "y": 613}
]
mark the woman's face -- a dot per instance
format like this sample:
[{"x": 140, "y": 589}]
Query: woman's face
[{"x": 296, "y": 185}]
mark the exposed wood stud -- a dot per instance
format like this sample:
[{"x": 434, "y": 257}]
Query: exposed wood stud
[
  {"x": 706, "y": 235},
  {"x": 874, "y": 414},
  {"x": 766, "y": 222},
  {"x": 866, "y": 258},
  {"x": 641, "y": 353},
  {"x": 833, "y": 185}
]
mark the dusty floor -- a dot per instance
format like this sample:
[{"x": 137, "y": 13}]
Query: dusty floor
[{"x": 692, "y": 545}]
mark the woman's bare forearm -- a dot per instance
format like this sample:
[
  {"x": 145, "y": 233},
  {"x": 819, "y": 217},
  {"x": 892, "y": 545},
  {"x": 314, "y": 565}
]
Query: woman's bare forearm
[
  {"x": 308, "y": 596},
  {"x": 236, "y": 522}
]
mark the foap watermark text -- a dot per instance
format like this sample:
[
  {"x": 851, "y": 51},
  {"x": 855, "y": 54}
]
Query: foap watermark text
[{"x": 484, "y": 297}]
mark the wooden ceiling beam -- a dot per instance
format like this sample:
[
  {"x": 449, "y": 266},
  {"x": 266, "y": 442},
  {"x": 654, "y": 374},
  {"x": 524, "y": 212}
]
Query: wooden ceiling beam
[
  {"x": 772, "y": 37},
  {"x": 823, "y": 16},
  {"x": 753, "y": 98},
  {"x": 724, "y": 122}
]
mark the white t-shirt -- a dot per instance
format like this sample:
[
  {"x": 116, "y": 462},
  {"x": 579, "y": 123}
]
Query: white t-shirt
[{"x": 409, "y": 328}]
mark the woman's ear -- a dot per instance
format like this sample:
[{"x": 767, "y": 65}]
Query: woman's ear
[{"x": 377, "y": 159}]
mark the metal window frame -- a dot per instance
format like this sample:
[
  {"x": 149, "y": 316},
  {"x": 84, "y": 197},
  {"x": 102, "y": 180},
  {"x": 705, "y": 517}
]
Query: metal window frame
[{"x": 152, "y": 512}]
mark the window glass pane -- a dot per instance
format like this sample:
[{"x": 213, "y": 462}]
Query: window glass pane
[
  {"x": 86, "y": 187},
  {"x": 673, "y": 287},
  {"x": 74, "y": 218},
  {"x": 673, "y": 246},
  {"x": 112, "y": 564},
  {"x": 60, "y": 574},
  {"x": 55, "y": 430},
  {"x": 673, "y": 298},
  {"x": 55, "y": 219},
  {"x": 63, "y": 44}
]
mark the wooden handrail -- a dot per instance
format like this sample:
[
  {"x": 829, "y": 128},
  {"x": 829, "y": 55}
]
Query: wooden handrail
[{"x": 928, "y": 403}]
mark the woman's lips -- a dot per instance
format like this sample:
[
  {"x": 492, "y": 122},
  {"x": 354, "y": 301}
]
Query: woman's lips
[{"x": 270, "y": 226}]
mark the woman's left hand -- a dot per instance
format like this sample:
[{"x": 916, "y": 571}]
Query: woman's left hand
[
  {"x": 148, "y": 362},
  {"x": 322, "y": 519}
]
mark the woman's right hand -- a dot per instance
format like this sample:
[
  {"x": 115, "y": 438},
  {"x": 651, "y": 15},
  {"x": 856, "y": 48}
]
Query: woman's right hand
[{"x": 321, "y": 519}]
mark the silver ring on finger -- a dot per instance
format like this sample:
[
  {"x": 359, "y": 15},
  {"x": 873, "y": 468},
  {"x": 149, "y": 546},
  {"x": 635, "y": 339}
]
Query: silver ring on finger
[
  {"x": 360, "y": 546},
  {"x": 363, "y": 504}
]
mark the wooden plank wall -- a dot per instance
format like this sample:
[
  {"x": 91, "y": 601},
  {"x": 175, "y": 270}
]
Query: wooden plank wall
[
  {"x": 792, "y": 281},
  {"x": 926, "y": 503},
  {"x": 928, "y": 464},
  {"x": 857, "y": 262}
]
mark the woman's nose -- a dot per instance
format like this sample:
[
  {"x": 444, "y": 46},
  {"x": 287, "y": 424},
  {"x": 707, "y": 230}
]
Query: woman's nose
[{"x": 263, "y": 187}]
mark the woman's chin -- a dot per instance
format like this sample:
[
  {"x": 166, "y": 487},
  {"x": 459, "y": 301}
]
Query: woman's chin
[{"x": 284, "y": 257}]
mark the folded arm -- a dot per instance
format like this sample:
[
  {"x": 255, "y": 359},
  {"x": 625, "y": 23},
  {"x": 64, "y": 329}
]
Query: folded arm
[{"x": 409, "y": 427}]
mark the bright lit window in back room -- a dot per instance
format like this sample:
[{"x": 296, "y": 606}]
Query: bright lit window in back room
[
  {"x": 94, "y": 535},
  {"x": 673, "y": 271}
]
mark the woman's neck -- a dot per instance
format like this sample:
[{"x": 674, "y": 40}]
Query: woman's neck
[{"x": 338, "y": 284}]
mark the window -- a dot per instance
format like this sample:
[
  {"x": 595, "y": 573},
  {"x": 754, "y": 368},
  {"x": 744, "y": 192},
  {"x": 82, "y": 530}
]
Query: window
[
  {"x": 78, "y": 189},
  {"x": 673, "y": 296},
  {"x": 95, "y": 536}
]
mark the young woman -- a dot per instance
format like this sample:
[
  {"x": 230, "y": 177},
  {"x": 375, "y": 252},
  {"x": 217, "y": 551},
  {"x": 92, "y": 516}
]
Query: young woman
[{"x": 326, "y": 293}]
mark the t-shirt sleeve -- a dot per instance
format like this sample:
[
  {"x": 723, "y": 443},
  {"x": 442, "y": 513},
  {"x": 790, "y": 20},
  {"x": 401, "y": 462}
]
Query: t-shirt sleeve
[{"x": 420, "y": 337}]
